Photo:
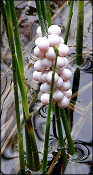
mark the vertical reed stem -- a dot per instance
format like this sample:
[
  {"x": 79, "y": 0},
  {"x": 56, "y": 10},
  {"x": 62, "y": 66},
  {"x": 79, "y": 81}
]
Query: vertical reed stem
[
  {"x": 69, "y": 21},
  {"x": 48, "y": 13},
  {"x": 44, "y": 15},
  {"x": 48, "y": 116},
  {"x": 79, "y": 38},
  {"x": 67, "y": 131},
  {"x": 12, "y": 47},
  {"x": 41, "y": 19},
  {"x": 60, "y": 135}
]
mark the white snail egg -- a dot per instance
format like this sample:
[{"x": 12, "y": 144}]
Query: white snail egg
[
  {"x": 38, "y": 52},
  {"x": 45, "y": 98},
  {"x": 60, "y": 62},
  {"x": 50, "y": 54},
  {"x": 45, "y": 87},
  {"x": 66, "y": 74},
  {"x": 59, "y": 70},
  {"x": 65, "y": 86},
  {"x": 57, "y": 95},
  {"x": 66, "y": 62},
  {"x": 36, "y": 75},
  {"x": 46, "y": 62},
  {"x": 59, "y": 83},
  {"x": 54, "y": 29},
  {"x": 38, "y": 31},
  {"x": 43, "y": 77},
  {"x": 38, "y": 66},
  {"x": 37, "y": 41},
  {"x": 54, "y": 39},
  {"x": 63, "y": 103},
  {"x": 43, "y": 43},
  {"x": 68, "y": 93},
  {"x": 49, "y": 77},
  {"x": 63, "y": 50}
]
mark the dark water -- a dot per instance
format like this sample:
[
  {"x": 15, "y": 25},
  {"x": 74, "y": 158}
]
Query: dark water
[{"x": 79, "y": 113}]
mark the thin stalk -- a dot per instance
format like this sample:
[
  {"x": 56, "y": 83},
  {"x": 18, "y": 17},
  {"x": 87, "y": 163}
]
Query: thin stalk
[
  {"x": 48, "y": 116},
  {"x": 12, "y": 47},
  {"x": 48, "y": 13},
  {"x": 69, "y": 21},
  {"x": 79, "y": 38},
  {"x": 41, "y": 19},
  {"x": 67, "y": 131},
  {"x": 21, "y": 67},
  {"x": 44, "y": 14},
  {"x": 60, "y": 135}
]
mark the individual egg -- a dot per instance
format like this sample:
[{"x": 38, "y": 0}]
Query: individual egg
[
  {"x": 38, "y": 66},
  {"x": 65, "y": 86},
  {"x": 45, "y": 99},
  {"x": 57, "y": 95},
  {"x": 63, "y": 50},
  {"x": 59, "y": 83},
  {"x": 54, "y": 39},
  {"x": 43, "y": 77},
  {"x": 38, "y": 52},
  {"x": 66, "y": 74},
  {"x": 36, "y": 75},
  {"x": 37, "y": 41},
  {"x": 45, "y": 87},
  {"x": 63, "y": 103},
  {"x": 66, "y": 62},
  {"x": 49, "y": 77},
  {"x": 60, "y": 62},
  {"x": 38, "y": 31},
  {"x": 68, "y": 93},
  {"x": 59, "y": 70},
  {"x": 54, "y": 29},
  {"x": 43, "y": 43},
  {"x": 46, "y": 62},
  {"x": 50, "y": 53}
]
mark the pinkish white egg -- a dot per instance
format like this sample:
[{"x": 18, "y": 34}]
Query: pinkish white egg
[
  {"x": 57, "y": 95},
  {"x": 63, "y": 50},
  {"x": 38, "y": 66},
  {"x": 60, "y": 62},
  {"x": 45, "y": 87},
  {"x": 66, "y": 62},
  {"x": 46, "y": 62},
  {"x": 65, "y": 86},
  {"x": 63, "y": 103},
  {"x": 45, "y": 99},
  {"x": 38, "y": 53},
  {"x": 54, "y": 29},
  {"x": 50, "y": 54},
  {"x": 43, "y": 77},
  {"x": 54, "y": 39},
  {"x": 59, "y": 83},
  {"x": 38, "y": 31},
  {"x": 49, "y": 77},
  {"x": 66, "y": 74},
  {"x": 59, "y": 70},
  {"x": 43, "y": 43},
  {"x": 37, "y": 41},
  {"x": 68, "y": 93},
  {"x": 36, "y": 75}
]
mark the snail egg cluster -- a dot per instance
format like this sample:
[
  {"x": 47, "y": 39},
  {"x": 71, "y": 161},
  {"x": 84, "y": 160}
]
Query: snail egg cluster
[{"x": 44, "y": 67}]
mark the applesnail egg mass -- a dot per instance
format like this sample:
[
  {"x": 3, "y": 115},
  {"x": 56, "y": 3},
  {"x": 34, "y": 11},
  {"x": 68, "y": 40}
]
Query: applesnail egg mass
[{"x": 44, "y": 67}]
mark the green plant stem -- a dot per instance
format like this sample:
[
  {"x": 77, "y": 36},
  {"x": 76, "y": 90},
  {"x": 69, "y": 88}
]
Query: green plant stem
[
  {"x": 41, "y": 19},
  {"x": 67, "y": 131},
  {"x": 48, "y": 13},
  {"x": 69, "y": 21},
  {"x": 12, "y": 47},
  {"x": 44, "y": 15},
  {"x": 60, "y": 135},
  {"x": 79, "y": 37},
  {"x": 48, "y": 116}
]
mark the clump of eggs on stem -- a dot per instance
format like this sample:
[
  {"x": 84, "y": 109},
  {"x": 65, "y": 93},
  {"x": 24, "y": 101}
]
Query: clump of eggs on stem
[{"x": 44, "y": 67}]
